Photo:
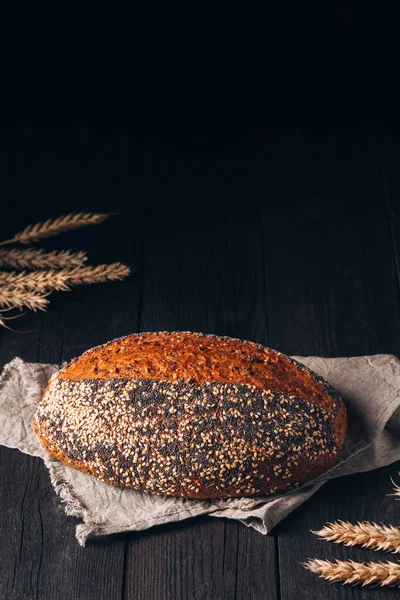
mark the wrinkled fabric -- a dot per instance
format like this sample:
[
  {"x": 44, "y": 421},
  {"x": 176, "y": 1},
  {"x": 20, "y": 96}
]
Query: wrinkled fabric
[{"x": 369, "y": 385}]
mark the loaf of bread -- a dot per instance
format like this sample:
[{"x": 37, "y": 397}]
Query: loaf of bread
[{"x": 192, "y": 415}]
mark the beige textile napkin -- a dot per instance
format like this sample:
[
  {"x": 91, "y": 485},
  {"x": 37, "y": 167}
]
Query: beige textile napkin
[{"x": 369, "y": 385}]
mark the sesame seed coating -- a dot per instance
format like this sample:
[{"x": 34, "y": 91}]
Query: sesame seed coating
[{"x": 183, "y": 438}]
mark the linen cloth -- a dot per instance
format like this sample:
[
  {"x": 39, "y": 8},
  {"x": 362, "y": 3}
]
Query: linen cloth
[{"x": 369, "y": 386}]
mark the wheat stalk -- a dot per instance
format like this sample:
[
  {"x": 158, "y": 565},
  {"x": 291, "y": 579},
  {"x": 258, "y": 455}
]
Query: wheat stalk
[
  {"x": 51, "y": 227},
  {"x": 36, "y": 258},
  {"x": 350, "y": 572},
  {"x": 368, "y": 535},
  {"x": 20, "y": 298},
  {"x": 44, "y": 280}
]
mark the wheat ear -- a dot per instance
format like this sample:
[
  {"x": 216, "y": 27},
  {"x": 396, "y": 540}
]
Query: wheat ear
[
  {"x": 20, "y": 298},
  {"x": 87, "y": 275},
  {"x": 36, "y": 258},
  {"x": 51, "y": 227},
  {"x": 368, "y": 535},
  {"x": 61, "y": 280},
  {"x": 350, "y": 572}
]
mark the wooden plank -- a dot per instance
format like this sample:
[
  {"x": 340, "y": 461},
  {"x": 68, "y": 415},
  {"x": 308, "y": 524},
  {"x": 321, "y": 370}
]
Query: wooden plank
[
  {"x": 40, "y": 557},
  {"x": 331, "y": 290},
  {"x": 391, "y": 185},
  {"x": 203, "y": 274},
  {"x": 179, "y": 560},
  {"x": 254, "y": 580}
]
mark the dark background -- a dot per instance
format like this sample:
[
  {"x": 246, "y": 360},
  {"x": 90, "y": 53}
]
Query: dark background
[
  {"x": 159, "y": 112},
  {"x": 252, "y": 161}
]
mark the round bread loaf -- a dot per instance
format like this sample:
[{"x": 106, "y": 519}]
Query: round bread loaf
[{"x": 192, "y": 415}]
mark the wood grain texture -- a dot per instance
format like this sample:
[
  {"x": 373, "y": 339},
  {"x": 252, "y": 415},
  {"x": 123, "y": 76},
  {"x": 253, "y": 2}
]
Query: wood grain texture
[
  {"x": 287, "y": 244},
  {"x": 337, "y": 298}
]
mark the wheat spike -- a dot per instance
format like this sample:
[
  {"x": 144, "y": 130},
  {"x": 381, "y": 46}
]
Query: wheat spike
[
  {"x": 61, "y": 280},
  {"x": 112, "y": 272},
  {"x": 51, "y": 227},
  {"x": 41, "y": 280},
  {"x": 350, "y": 572},
  {"x": 368, "y": 535},
  {"x": 36, "y": 258},
  {"x": 20, "y": 298}
]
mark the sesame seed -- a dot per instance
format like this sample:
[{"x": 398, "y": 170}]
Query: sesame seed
[{"x": 177, "y": 437}]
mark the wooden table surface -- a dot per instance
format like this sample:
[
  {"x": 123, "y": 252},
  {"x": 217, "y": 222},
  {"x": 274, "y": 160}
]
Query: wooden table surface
[{"x": 292, "y": 243}]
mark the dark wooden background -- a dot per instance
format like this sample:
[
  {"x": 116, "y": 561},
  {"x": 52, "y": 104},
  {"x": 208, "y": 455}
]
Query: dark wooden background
[{"x": 292, "y": 241}]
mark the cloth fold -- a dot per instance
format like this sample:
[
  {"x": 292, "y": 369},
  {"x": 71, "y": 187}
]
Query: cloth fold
[{"x": 369, "y": 386}]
